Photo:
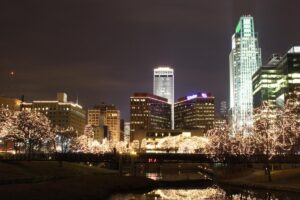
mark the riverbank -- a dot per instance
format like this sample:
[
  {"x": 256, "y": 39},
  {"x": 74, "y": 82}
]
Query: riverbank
[
  {"x": 50, "y": 180},
  {"x": 287, "y": 180}
]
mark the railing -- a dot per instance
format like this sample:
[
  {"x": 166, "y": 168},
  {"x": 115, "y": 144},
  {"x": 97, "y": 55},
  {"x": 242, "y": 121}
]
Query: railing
[{"x": 148, "y": 158}]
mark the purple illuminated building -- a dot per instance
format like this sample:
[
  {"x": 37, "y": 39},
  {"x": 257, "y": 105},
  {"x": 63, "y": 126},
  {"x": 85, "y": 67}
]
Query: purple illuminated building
[{"x": 195, "y": 112}]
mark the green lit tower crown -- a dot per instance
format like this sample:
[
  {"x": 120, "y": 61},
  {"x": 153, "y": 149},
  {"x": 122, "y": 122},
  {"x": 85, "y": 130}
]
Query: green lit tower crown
[{"x": 245, "y": 59}]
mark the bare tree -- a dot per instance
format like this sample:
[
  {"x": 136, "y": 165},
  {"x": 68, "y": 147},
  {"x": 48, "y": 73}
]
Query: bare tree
[
  {"x": 64, "y": 136},
  {"x": 34, "y": 130}
]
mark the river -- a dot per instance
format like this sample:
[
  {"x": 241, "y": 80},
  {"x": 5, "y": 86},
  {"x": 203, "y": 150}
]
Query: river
[
  {"x": 210, "y": 193},
  {"x": 192, "y": 172}
]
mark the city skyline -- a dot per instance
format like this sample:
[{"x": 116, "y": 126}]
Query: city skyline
[
  {"x": 86, "y": 45},
  {"x": 155, "y": 99}
]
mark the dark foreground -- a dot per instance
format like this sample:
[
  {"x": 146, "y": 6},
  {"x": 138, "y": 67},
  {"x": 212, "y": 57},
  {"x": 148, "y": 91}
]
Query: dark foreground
[{"x": 51, "y": 180}]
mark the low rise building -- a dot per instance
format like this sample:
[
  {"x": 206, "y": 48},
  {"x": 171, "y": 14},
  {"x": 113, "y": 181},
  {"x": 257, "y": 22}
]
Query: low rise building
[
  {"x": 60, "y": 112},
  {"x": 10, "y": 103}
]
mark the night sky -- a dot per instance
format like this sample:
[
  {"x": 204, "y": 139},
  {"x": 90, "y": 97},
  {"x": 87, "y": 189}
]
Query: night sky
[{"x": 103, "y": 51}]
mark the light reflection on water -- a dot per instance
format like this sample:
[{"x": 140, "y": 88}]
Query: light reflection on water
[
  {"x": 175, "y": 194},
  {"x": 172, "y": 177},
  {"x": 169, "y": 170},
  {"x": 201, "y": 194},
  {"x": 191, "y": 172},
  {"x": 154, "y": 176},
  {"x": 210, "y": 193}
]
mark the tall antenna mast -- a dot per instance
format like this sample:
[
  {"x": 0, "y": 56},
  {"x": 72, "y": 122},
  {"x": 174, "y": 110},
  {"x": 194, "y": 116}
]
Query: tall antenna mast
[{"x": 77, "y": 98}]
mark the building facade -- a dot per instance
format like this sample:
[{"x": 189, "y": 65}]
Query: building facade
[
  {"x": 95, "y": 119},
  {"x": 10, "y": 103},
  {"x": 265, "y": 83},
  {"x": 163, "y": 86},
  {"x": 60, "y": 112},
  {"x": 245, "y": 59},
  {"x": 106, "y": 115},
  {"x": 153, "y": 137},
  {"x": 223, "y": 109},
  {"x": 289, "y": 69},
  {"x": 195, "y": 112},
  {"x": 149, "y": 112},
  {"x": 127, "y": 132},
  {"x": 274, "y": 81}
]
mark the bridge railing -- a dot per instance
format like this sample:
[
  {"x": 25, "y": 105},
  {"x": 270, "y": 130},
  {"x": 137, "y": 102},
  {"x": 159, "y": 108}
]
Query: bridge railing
[{"x": 150, "y": 157}]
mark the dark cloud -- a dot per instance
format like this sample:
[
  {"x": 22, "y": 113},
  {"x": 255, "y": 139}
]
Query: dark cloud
[{"x": 106, "y": 50}]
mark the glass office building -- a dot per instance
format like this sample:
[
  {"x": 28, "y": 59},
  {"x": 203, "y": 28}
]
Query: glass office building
[
  {"x": 265, "y": 83},
  {"x": 276, "y": 80},
  {"x": 245, "y": 59}
]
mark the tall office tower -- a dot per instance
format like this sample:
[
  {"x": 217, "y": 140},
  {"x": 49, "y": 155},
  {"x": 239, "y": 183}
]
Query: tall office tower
[
  {"x": 148, "y": 112},
  {"x": 122, "y": 128},
  {"x": 195, "y": 112},
  {"x": 163, "y": 85},
  {"x": 223, "y": 109},
  {"x": 127, "y": 132},
  {"x": 245, "y": 59},
  {"x": 60, "y": 112}
]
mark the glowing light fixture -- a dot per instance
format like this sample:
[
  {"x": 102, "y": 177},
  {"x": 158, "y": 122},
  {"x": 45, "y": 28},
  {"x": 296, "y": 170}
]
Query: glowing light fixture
[{"x": 192, "y": 97}]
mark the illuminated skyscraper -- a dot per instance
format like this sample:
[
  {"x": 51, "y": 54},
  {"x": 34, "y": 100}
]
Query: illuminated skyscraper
[
  {"x": 245, "y": 59},
  {"x": 163, "y": 85}
]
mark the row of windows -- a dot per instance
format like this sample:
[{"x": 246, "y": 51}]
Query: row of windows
[{"x": 51, "y": 108}]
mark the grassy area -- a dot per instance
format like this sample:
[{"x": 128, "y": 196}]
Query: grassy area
[
  {"x": 232, "y": 171},
  {"x": 77, "y": 181},
  {"x": 27, "y": 169},
  {"x": 286, "y": 179}
]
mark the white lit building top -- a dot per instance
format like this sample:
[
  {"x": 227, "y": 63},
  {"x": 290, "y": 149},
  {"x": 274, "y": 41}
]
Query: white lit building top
[
  {"x": 163, "y": 85},
  {"x": 295, "y": 49}
]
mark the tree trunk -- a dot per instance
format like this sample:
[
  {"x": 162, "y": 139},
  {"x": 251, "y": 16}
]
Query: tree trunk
[
  {"x": 269, "y": 173},
  {"x": 29, "y": 150}
]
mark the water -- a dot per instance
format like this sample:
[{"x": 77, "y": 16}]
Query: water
[
  {"x": 171, "y": 172},
  {"x": 210, "y": 193},
  {"x": 175, "y": 172}
]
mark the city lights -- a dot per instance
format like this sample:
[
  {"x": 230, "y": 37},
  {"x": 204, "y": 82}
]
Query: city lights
[
  {"x": 192, "y": 97},
  {"x": 229, "y": 130},
  {"x": 245, "y": 59}
]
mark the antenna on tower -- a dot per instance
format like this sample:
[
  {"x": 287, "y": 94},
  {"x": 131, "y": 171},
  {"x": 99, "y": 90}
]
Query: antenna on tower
[{"x": 76, "y": 97}]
